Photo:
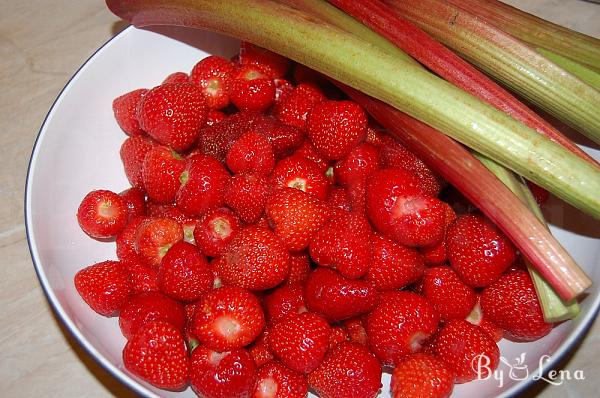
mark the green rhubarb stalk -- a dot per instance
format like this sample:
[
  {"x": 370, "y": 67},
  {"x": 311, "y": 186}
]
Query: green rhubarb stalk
[
  {"x": 588, "y": 75},
  {"x": 537, "y": 31},
  {"x": 554, "y": 308},
  {"x": 309, "y": 40},
  {"x": 508, "y": 60}
]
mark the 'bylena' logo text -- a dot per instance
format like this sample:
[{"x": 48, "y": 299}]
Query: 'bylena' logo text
[{"x": 519, "y": 370}]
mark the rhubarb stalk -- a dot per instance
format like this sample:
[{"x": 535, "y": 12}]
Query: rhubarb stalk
[
  {"x": 588, "y": 75},
  {"x": 509, "y": 60},
  {"x": 309, "y": 40}
]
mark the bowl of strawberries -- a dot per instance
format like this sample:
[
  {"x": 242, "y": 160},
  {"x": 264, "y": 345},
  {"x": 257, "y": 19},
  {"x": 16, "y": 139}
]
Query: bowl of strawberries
[{"x": 211, "y": 219}]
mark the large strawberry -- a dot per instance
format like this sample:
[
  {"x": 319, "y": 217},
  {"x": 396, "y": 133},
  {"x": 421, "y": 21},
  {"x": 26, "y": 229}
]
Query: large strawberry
[
  {"x": 294, "y": 109},
  {"x": 284, "y": 302},
  {"x": 247, "y": 195},
  {"x": 213, "y": 75},
  {"x": 450, "y": 296},
  {"x": 147, "y": 307},
  {"x": 422, "y": 375},
  {"x": 161, "y": 173},
  {"x": 103, "y": 286},
  {"x": 154, "y": 237},
  {"x": 274, "y": 380},
  {"x": 252, "y": 152}
]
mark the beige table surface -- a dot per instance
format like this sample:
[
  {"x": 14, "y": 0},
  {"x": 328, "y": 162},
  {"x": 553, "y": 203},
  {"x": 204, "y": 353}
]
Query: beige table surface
[{"x": 42, "y": 43}]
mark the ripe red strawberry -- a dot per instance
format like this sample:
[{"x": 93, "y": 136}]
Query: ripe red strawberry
[
  {"x": 336, "y": 127},
  {"x": 247, "y": 195},
  {"x": 273, "y": 64},
  {"x": 356, "y": 331},
  {"x": 469, "y": 351},
  {"x": 125, "y": 242},
  {"x": 184, "y": 274},
  {"x": 338, "y": 199},
  {"x": 228, "y": 318},
  {"x": 296, "y": 216},
  {"x": 252, "y": 152},
  {"x": 135, "y": 200},
  {"x": 148, "y": 307},
  {"x": 214, "y": 76},
  {"x": 103, "y": 286},
  {"x": 274, "y": 380},
  {"x": 512, "y": 303},
  {"x": 255, "y": 259},
  {"x": 222, "y": 374},
  {"x": 349, "y": 371},
  {"x": 173, "y": 114},
  {"x": 284, "y": 302},
  {"x": 140, "y": 276},
  {"x": 161, "y": 173},
  {"x": 300, "y": 342},
  {"x": 393, "y": 266},
  {"x": 338, "y": 335},
  {"x": 344, "y": 243},
  {"x": 422, "y": 375},
  {"x": 337, "y": 298},
  {"x": 282, "y": 88},
  {"x": 259, "y": 349},
  {"x": 477, "y": 250},
  {"x": 477, "y": 318},
  {"x": 157, "y": 354},
  {"x": 133, "y": 152},
  {"x": 203, "y": 184},
  {"x": 187, "y": 222},
  {"x": 125, "y": 111},
  {"x": 214, "y": 116},
  {"x": 357, "y": 165},
  {"x": 176, "y": 77},
  {"x": 215, "y": 230},
  {"x": 400, "y": 325},
  {"x": 300, "y": 173},
  {"x": 294, "y": 109},
  {"x": 299, "y": 267},
  {"x": 102, "y": 214},
  {"x": 308, "y": 151},
  {"x": 154, "y": 237},
  {"x": 283, "y": 138},
  {"x": 437, "y": 254},
  {"x": 252, "y": 89},
  {"x": 447, "y": 293}
]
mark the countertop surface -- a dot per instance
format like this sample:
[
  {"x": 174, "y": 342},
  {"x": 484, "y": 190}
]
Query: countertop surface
[{"x": 42, "y": 43}]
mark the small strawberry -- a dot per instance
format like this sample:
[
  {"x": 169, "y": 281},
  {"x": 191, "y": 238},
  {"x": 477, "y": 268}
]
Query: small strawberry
[
  {"x": 477, "y": 318},
  {"x": 337, "y": 298},
  {"x": 215, "y": 374},
  {"x": 477, "y": 250},
  {"x": 252, "y": 89},
  {"x": 154, "y": 237},
  {"x": 157, "y": 354},
  {"x": 349, "y": 371},
  {"x": 400, "y": 325},
  {"x": 133, "y": 152},
  {"x": 294, "y": 109},
  {"x": 252, "y": 152},
  {"x": 344, "y": 243},
  {"x": 284, "y": 302},
  {"x": 247, "y": 195},
  {"x": 357, "y": 165},
  {"x": 125, "y": 111},
  {"x": 148, "y": 307},
  {"x": 299, "y": 267},
  {"x": 203, "y": 184},
  {"x": 102, "y": 214},
  {"x": 464, "y": 346},
  {"x": 421, "y": 375},
  {"x": 187, "y": 222},
  {"x": 161, "y": 173},
  {"x": 214, "y": 76},
  {"x": 296, "y": 216},
  {"x": 176, "y": 77},
  {"x": 338, "y": 336},
  {"x": 512, "y": 303},
  {"x": 173, "y": 114},
  {"x": 283, "y": 138},
  {"x": 255, "y": 259},
  {"x": 140, "y": 276},
  {"x": 393, "y": 266},
  {"x": 273, "y": 64},
  {"x": 356, "y": 330},
  {"x": 300, "y": 342},
  {"x": 103, "y": 286},
  {"x": 259, "y": 349},
  {"x": 227, "y": 318},
  {"x": 184, "y": 274},
  {"x": 447, "y": 293},
  {"x": 214, "y": 116},
  {"x": 125, "y": 242},
  {"x": 135, "y": 200},
  {"x": 274, "y": 380},
  {"x": 300, "y": 173},
  {"x": 215, "y": 230},
  {"x": 282, "y": 88},
  {"x": 307, "y": 150},
  {"x": 437, "y": 254}
]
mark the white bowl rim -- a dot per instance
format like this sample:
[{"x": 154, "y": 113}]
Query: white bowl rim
[{"x": 567, "y": 346}]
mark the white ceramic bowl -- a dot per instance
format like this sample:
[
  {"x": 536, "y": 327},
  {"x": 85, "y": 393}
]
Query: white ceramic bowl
[{"x": 77, "y": 151}]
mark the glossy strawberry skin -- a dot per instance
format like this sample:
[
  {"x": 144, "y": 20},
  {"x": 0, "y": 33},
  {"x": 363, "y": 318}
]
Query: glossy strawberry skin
[
  {"x": 184, "y": 274},
  {"x": 214, "y": 76},
  {"x": 157, "y": 354},
  {"x": 147, "y": 307},
  {"x": 477, "y": 250},
  {"x": 255, "y": 259},
  {"x": 284, "y": 302},
  {"x": 337, "y": 298},
  {"x": 228, "y": 318},
  {"x": 349, "y": 371},
  {"x": 273, "y": 64},
  {"x": 274, "y": 380},
  {"x": 419, "y": 220},
  {"x": 173, "y": 114},
  {"x": 102, "y": 214},
  {"x": 252, "y": 152},
  {"x": 215, "y": 230},
  {"x": 125, "y": 111},
  {"x": 161, "y": 173},
  {"x": 229, "y": 374},
  {"x": 294, "y": 109},
  {"x": 259, "y": 349},
  {"x": 126, "y": 242},
  {"x": 421, "y": 375},
  {"x": 462, "y": 346},
  {"x": 154, "y": 237},
  {"x": 354, "y": 168},
  {"x": 252, "y": 89},
  {"x": 176, "y": 77},
  {"x": 400, "y": 325},
  {"x": 512, "y": 304},
  {"x": 450, "y": 296},
  {"x": 299, "y": 267},
  {"x": 135, "y": 200},
  {"x": 300, "y": 342},
  {"x": 103, "y": 286},
  {"x": 140, "y": 276},
  {"x": 203, "y": 185},
  {"x": 133, "y": 152},
  {"x": 247, "y": 195},
  {"x": 300, "y": 173}
]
